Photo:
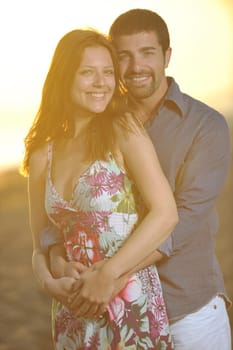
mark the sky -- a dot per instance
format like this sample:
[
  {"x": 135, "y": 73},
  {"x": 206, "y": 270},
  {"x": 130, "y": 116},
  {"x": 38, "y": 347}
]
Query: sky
[{"x": 201, "y": 40}]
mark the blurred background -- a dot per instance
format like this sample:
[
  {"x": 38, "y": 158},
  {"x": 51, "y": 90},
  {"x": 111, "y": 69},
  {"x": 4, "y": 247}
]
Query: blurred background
[{"x": 201, "y": 39}]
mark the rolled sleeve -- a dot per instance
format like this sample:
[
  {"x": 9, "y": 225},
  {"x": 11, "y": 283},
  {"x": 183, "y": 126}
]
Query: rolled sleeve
[
  {"x": 166, "y": 247},
  {"x": 50, "y": 236}
]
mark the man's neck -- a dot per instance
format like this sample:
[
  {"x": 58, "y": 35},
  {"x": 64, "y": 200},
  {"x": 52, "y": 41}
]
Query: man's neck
[{"x": 151, "y": 104}]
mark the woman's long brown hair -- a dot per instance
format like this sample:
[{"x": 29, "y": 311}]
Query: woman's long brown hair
[{"x": 54, "y": 119}]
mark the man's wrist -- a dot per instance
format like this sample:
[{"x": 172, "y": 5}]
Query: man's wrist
[{"x": 47, "y": 283}]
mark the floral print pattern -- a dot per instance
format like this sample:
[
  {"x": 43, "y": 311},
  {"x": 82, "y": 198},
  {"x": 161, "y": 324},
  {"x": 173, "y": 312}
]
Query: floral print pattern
[{"x": 95, "y": 223}]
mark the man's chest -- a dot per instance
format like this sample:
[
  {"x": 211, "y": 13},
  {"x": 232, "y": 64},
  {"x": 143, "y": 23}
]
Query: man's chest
[{"x": 173, "y": 142}]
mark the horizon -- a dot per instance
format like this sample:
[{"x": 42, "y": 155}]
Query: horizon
[{"x": 15, "y": 165}]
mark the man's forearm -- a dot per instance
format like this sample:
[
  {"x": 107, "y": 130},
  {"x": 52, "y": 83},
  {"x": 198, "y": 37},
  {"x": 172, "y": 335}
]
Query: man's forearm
[{"x": 40, "y": 266}]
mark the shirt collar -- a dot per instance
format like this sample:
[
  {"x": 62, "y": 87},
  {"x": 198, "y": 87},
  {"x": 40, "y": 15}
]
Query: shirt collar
[{"x": 174, "y": 97}]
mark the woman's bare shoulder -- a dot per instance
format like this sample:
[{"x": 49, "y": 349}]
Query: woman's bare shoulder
[{"x": 39, "y": 158}]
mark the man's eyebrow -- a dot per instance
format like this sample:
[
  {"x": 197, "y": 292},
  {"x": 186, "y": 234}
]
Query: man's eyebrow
[
  {"x": 147, "y": 48},
  {"x": 144, "y": 48}
]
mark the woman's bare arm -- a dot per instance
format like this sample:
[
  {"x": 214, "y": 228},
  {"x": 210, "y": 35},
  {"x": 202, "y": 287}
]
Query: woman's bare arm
[{"x": 142, "y": 162}]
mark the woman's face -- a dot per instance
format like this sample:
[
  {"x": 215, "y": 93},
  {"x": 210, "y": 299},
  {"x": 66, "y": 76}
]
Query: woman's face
[{"x": 94, "y": 81}]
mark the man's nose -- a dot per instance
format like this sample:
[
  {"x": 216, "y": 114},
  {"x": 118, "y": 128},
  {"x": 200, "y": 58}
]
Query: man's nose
[{"x": 135, "y": 64}]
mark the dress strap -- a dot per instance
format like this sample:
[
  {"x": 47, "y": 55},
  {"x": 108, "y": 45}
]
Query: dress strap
[
  {"x": 50, "y": 155},
  {"x": 110, "y": 156}
]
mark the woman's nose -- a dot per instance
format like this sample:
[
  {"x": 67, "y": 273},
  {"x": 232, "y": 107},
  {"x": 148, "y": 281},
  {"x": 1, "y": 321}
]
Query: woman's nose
[{"x": 99, "y": 79}]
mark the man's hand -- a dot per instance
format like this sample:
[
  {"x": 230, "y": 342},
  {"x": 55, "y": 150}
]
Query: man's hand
[
  {"x": 60, "y": 267},
  {"x": 60, "y": 288},
  {"x": 74, "y": 269}
]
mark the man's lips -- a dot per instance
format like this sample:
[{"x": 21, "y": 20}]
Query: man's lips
[{"x": 138, "y": 79}]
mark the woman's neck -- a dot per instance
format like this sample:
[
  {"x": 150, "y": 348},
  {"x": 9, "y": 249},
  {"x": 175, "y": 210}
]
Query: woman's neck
[{"x": 81, "y": 120}]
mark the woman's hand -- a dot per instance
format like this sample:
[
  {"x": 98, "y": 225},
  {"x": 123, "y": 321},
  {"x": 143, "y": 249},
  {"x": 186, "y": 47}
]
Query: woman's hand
[
  {"x": 97, "y": 265},
  {"x": 120, "y": 283},
  {"x": 93, "y": 292}
]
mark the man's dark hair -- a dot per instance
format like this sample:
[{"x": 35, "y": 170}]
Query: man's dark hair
[{"x": 140, "y": 20}]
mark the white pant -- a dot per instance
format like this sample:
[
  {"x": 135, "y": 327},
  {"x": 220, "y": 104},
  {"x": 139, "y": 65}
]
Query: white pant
[{"x": 205, "y": 329}]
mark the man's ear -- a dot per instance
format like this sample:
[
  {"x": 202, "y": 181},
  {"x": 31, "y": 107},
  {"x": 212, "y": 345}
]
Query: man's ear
[{"x": 167, "y": 56}]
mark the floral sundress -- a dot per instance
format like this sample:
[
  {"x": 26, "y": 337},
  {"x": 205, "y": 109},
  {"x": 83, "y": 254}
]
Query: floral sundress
[{"x": 95, "y": 223}]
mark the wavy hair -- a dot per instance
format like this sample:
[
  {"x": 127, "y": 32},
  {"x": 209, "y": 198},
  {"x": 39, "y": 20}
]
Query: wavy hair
[{"x": 54, "y": 119}]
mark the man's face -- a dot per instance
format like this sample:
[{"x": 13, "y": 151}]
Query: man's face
[{"x": 142, "y": 64}]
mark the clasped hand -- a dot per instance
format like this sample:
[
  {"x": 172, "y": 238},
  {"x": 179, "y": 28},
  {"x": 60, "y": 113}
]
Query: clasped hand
[
  {"x": 85, "y": 291},
  {"x": 93, "y": 292}
]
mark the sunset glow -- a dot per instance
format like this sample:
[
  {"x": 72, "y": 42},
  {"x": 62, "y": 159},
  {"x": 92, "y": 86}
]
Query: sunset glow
[{"x": 201, "y": 39}]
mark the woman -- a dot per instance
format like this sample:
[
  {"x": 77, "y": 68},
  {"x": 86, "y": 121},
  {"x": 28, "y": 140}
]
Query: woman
[{"x": 87, "y": 158}]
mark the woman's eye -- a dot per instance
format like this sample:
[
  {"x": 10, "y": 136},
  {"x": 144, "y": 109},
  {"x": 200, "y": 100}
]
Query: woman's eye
[
  {"x": 109, "y": 72},
  {"x": 86, "y": 72}
]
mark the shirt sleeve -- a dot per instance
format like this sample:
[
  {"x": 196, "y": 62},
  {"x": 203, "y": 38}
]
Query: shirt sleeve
[
  {"x": 200, "y": 181},
  {"x": 49, "y": 236}
]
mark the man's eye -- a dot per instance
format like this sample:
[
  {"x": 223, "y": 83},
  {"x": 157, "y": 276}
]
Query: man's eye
[
  {"x": 123, "y": 56},
  {"x": 149, "y": 53}
]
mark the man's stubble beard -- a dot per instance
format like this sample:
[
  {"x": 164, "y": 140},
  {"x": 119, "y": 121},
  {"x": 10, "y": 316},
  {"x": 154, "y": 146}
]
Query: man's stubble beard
[{"x": 140, "y": 93}]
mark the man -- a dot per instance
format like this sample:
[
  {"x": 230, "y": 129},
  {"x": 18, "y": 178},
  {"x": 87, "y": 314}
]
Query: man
[
  {"x": 193, "y": 145},
  {"x": 192, "y": 142}
]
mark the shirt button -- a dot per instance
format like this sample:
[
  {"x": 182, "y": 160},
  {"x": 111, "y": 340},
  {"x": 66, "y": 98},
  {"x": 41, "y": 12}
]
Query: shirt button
[{"x": 215, "y": 307}]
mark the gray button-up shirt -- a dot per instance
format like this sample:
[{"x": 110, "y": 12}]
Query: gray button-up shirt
[{"x": 193, "y": 145}]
